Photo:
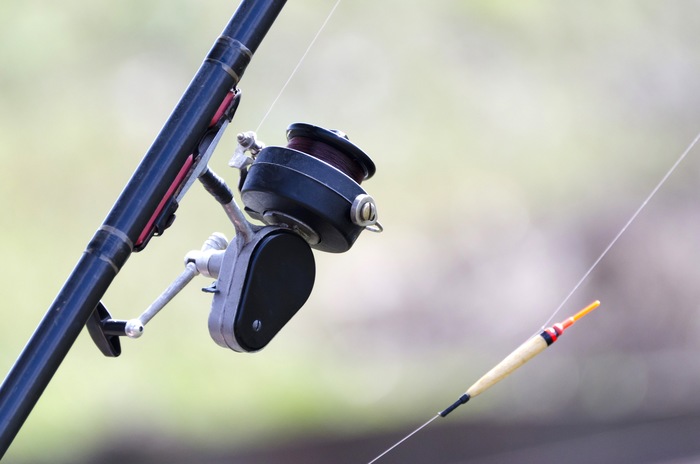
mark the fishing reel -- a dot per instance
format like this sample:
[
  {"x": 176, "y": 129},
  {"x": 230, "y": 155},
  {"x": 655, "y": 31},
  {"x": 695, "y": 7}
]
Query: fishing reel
[
  {"x": 303, "y": 196},
  {"x": 308, "y": 195}
]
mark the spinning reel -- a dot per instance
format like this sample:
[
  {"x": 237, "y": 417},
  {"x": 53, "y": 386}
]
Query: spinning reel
[
  {"x": 308, "y": 195},
  {"x": 305, "y": 195}
]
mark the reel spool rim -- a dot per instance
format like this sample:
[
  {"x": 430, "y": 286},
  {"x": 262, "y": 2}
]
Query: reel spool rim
[{"x": 338, "y": 140}]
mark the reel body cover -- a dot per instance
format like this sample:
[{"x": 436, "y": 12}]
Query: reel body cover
[{"x": 261, "y": 286}]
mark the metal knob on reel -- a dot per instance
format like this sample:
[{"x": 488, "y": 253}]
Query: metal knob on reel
[{"x": 313, "y": 186}]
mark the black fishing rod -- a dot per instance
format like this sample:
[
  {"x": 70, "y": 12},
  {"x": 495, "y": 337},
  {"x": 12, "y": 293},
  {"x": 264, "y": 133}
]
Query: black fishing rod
[
  {"x": 302, "y": 196},
  {"x": 139, "y": 212}
]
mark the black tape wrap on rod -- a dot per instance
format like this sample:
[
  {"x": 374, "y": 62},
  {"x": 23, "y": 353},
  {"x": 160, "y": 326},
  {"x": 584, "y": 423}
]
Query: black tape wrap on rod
[
  {"x": 135, "y": 208},
  {"x": 216, "y": 186}
]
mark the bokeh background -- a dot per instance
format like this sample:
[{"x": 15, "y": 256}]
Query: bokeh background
[{"x": 513, "y": 141}]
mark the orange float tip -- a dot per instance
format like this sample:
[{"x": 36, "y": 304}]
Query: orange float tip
[{"x": 570, "y": 321}]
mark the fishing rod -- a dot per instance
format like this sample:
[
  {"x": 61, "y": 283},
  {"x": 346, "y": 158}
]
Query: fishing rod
[{"x": 300, "y": 197}]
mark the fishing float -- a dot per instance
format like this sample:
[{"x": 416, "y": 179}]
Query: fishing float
[{"x": 521, "y": 355}]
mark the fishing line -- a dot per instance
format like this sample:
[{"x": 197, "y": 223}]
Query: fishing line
[
  {"x": 404, "y": 439},
  {"x": 329, "y": 154},
  {"x": 624, "y": 228},
  {"x": 548, "y": 335},
  {"x": 296, "y": 68}
]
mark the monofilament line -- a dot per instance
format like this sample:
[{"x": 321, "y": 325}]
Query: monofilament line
[
  {"x": 625, "y": 227},
  {"x": 404, "y": 439},
  {"x": 296, "y": 68}
]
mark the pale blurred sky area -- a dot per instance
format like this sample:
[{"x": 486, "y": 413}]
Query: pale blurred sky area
[{"x": 513, "y": 140}]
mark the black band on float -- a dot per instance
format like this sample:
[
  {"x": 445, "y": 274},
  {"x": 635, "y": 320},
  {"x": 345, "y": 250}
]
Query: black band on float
[
  {"x": 547, "y": 337},
  {"x": 460, "y": 401}
]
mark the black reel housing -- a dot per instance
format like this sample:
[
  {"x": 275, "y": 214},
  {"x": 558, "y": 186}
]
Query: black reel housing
[{"x": 310, "y": 186}]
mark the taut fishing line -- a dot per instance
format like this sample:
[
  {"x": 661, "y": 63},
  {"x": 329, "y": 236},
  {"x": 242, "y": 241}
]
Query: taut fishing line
[
  {"x": 548, "y": 335},
  {"x": 534, "y": 345},
  {"x": 624, "y": 228},
  {"x": 296, "y": 68}
]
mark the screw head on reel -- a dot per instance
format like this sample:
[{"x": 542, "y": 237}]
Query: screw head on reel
[{"x": 311, "y": 185}]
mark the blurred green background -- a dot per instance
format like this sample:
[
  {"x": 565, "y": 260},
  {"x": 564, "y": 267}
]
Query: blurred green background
[{"x": 513, "y": 140}]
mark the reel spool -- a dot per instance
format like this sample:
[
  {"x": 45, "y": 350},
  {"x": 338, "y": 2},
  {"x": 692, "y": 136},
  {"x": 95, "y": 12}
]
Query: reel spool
[{"x": 313, "y": 187}]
